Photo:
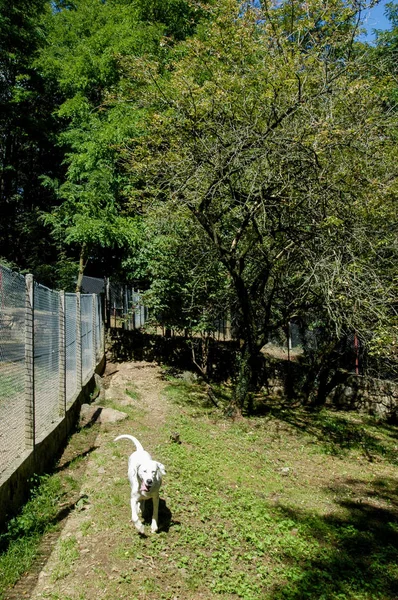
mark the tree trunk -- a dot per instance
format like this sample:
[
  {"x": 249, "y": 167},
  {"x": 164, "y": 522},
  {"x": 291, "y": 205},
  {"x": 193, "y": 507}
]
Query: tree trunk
[
  {"x": 250, "y": 366},
  {"x": 82, "y": 266},
  {"x": 250, "y": 362}
]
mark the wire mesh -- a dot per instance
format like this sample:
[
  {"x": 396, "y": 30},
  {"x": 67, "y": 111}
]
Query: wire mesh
[
  {"x": 138, "y": 310},
  {"x": 116, "y": 304},
  {"x": 86, "y": 316},
  {"x": 15, "y": 401},
  {"x": 70, "y": 347},
  {"x": 12, "y": 371},
  {"x": 46, "y": 359},
  {"x": 98, "y": 322},
  {"x": 125, "y": 307}
]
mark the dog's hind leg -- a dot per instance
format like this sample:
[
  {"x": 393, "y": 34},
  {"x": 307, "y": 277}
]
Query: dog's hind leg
[
  {"x": 135, "y": 515},
  {"x": 154, "y": 524}
]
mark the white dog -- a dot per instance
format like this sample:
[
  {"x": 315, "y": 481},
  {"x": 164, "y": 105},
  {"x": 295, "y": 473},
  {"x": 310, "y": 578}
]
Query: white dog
[{"x": 145, "y": 477}]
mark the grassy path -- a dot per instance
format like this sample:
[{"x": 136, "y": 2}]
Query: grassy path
[{"x": 289, "y": 506}]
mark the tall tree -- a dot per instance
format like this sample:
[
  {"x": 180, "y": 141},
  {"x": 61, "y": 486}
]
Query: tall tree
[
  {"x": 270, "y": 132},
  {"x": 87, "y": 41},
  {"x": 26, "y": 137}
]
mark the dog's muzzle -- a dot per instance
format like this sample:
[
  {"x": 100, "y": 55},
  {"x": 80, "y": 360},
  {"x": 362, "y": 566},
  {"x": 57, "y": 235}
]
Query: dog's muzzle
[{"x": 146, "y": 485}]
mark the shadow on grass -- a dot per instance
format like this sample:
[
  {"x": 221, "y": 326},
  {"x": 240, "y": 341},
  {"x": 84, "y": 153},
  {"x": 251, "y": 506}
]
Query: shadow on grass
[
  {"x": 357, "y": 555},
  {"x": 338, "y": 433},
  {"x": 75, "y": 458},
  {"x": 165, "y": 520}
]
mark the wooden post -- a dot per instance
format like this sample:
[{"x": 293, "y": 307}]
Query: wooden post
[
  {"x": 79, "y": 375},
  {"x": 29, "y": 365},
  {"x": 62, "y": 357}
]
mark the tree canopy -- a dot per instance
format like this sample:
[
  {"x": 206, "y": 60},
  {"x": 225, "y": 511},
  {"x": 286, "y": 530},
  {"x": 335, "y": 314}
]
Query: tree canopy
[
  {"x": 236, "y": 157},
  {"x": 269, "y": 129}
]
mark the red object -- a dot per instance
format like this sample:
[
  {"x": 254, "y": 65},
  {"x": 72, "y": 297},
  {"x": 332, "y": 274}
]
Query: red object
[{"x": 356, "y": 346}]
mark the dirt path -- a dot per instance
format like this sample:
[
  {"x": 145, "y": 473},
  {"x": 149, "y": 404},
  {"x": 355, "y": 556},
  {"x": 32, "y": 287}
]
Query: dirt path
[{"x": 90, "y": 556}]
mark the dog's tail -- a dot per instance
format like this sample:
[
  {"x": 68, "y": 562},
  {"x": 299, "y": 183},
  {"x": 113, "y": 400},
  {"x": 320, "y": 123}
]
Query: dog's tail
[{"x": 132, "y": 438}]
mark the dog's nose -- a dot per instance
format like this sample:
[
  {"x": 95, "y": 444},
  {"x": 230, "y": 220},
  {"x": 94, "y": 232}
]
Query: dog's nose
[{"x": 149, "y": 481}]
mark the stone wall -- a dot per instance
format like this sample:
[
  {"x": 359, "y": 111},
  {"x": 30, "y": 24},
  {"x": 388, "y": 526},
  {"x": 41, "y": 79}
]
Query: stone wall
[
  {"x": 373, "y": 396},
  {"x": 283, "y": 379}
]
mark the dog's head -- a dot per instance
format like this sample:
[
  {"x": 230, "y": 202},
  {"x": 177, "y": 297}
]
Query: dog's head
[{"x": 150, "y": 475}]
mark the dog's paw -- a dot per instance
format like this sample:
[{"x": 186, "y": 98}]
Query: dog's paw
[
  {"x": 139, "y": 527},
  {"x": 154, "y": 527}
]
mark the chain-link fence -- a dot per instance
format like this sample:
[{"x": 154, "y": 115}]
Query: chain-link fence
[
  {"x": 124, "y": 305},
  {"x": 50, "y": 344}
]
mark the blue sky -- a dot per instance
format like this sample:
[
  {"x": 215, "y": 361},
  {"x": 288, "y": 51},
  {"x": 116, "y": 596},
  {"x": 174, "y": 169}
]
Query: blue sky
[{"x": 375, "y": 19}]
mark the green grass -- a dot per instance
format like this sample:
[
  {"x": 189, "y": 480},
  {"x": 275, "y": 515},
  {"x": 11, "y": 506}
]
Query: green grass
[
  {"x": 293, "y": 505},
  {"x": 329, "y": 542},
  {"x": 132, "y": 392},
  {"x": 68, "y": 555},
  {"x": 19, "y": 545},
  {"x": 52, "y": 498}
]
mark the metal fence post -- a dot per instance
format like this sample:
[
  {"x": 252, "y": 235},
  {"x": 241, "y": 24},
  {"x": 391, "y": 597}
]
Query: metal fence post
[
  {"x": 102, "y": 302},
  {"x": 29, "y": 365},
  {"x": 126, "y": 315},
  {"x": 94, "y": 328},
  {"x": 133, "y": 307},
  {"x": 107, "y": 303},
  {"x": 62, "y": 356},
  {"x": 79, "y": 367}
]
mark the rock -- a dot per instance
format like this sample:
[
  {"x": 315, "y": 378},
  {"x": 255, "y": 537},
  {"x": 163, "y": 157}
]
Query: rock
[
  {"x": 189, "y": 377},
  {"x": 100, "y": 386},
  {"x": 98, "y": 414},
  {"x": 110, "y": 415},
  {"x": 88, "y": 414}
]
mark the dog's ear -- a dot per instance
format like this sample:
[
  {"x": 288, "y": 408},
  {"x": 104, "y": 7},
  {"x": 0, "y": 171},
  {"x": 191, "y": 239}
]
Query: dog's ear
[{"x": 162, "y": 468}]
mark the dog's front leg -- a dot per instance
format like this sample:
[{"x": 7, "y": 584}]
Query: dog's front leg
[
  {"x": 135, "y": 511},
  {"x": 154, "y": 524}
]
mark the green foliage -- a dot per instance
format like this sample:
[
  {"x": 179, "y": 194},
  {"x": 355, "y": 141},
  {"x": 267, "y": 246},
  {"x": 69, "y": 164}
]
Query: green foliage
[
  {"x": 86, "y": 45},
  {"x": 83, "y": 47},
  {"x": 26, "y": 129},
  {"x": 260, "y": 146},
  {"x": 386, "y": 41},
  {"x": 269, "y": 130},
  {"x": 188, "y": 287}
]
